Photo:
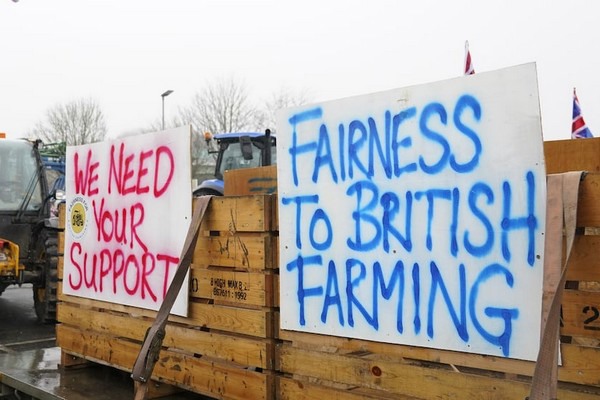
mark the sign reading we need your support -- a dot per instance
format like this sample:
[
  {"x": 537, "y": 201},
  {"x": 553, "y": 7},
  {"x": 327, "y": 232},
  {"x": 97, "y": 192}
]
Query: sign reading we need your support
[
  {"x": 128, "y": 208},
  {"x": 416, "y": 216}
]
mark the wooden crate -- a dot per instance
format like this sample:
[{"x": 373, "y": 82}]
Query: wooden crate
[
  {"x": 322, "y": 367},
  {"x": 230, "y": 346},
  {"x": 226, "y": 346},
  {"x": 248, "y": 181}
]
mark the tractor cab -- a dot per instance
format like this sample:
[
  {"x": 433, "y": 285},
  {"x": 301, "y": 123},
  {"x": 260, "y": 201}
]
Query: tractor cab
[
  {"x": 21, "y": 189},
  {"x": 234, "y": 151},
  {"x": 28, "y": 243}
]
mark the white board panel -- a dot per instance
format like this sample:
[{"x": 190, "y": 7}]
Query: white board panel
[
  {"x": 417, "y": 215},
  {"x": 128, "y": 211}
]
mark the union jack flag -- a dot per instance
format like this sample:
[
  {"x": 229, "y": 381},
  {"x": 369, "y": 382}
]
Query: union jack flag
[
  {"x": 469, "y": 70},
  {"x": 579, "y": 129}
]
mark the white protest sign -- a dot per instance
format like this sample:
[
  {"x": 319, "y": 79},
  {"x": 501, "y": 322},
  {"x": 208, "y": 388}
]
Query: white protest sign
[
  {"x": 417, "y": 215},
  {"x": 128, "y": 208}
]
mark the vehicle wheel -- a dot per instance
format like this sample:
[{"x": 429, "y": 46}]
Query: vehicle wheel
[
  {"x": 45, "y": 293},
  {"x": 207, "y": 192},
  {"x": 2, "y": 287}
]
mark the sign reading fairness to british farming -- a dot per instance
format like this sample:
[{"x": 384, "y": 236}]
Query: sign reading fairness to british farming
[
  {"x": 128, "y": 211},
  {"x": 416, "y": 216}
]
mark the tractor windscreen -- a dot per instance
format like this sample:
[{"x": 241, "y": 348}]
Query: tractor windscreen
[
  {"x": 243, "y": 153},
  {"x": 233, "y": 158},
  {"x": 19, "y": 179}
]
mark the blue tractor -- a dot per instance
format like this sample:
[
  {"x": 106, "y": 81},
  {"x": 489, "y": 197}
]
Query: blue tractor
[{"x": 234, "y": 151}]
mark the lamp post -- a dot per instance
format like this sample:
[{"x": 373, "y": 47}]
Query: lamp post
[{"x": 165, "y": 94}]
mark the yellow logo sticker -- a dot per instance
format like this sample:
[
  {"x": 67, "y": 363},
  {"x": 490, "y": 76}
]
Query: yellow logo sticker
[{"x": 77, "y": 217}]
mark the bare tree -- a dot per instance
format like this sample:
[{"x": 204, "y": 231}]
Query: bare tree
[
  {"x": 77, "y": 122},
  {"x": 222, "y": 106},
  {"x": 283, "y": 98}
]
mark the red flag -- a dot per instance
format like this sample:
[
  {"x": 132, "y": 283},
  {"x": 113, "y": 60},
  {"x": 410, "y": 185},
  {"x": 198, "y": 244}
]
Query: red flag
[{"x": 469, "y": 70}]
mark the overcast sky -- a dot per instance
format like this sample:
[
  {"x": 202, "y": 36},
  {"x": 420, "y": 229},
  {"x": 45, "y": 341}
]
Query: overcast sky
[{"x": 125, "y": 53}]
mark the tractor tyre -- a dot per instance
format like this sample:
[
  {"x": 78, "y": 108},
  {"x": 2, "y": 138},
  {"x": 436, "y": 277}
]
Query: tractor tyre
[
  {"x": 207, "y": 192},
  {"x": 45, "y": 293}
]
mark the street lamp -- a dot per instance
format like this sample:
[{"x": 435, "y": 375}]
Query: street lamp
[{"x": 165, "y": 94}]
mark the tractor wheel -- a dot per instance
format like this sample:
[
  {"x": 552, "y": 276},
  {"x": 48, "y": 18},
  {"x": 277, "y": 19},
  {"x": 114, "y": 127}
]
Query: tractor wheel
[
  {"x": 207, "y": 192},
  {"x": 45, "y": 293}
]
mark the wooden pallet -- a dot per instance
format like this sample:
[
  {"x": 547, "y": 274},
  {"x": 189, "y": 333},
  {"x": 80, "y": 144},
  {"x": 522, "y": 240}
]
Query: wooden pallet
[
  {"x": 225, "y": 348},
  {"x": 230, "y": 346},
  {"x": 323, "y": 367}
]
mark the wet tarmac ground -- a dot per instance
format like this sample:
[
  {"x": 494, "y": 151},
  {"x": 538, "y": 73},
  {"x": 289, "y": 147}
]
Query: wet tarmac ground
[
  {"x": 30, "y": 361},
  {"x": 19, "y": 329},
  {"x": 37, "y": 375}
]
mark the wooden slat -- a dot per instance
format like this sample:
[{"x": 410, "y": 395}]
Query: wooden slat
[
  {"x": 296, "y": 389},
  {"x": 588, "y": 208},
  {"x": 192, "y": 373},
  {"x": 581, "y": 314},
  {"x": 252, "y": 322},
  {"x": 61, "y": 242},
  {"x": 245, "y": 351},
  {"x": 275, "y": 252},
  {"x": 339, "y": 345},
  {"x": 276, "y": 290},
  {"x": 62, "y": 212},
  {"x": 584, "y": 264},
  {"x": 232, "y": 319},
  {"x": 572, "y": 155},
  {"x": 232, "y": 287},
  {"x": 275, "y": 213},
  {"x": 239, "y": 214},
  {"x": 250, "y": 251},
  {"x": 581, "y": 365},
  {"x": 407, "y": 378},
  {"x": 250, "y": 181},
  {"x": 60, "y": 267}
]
